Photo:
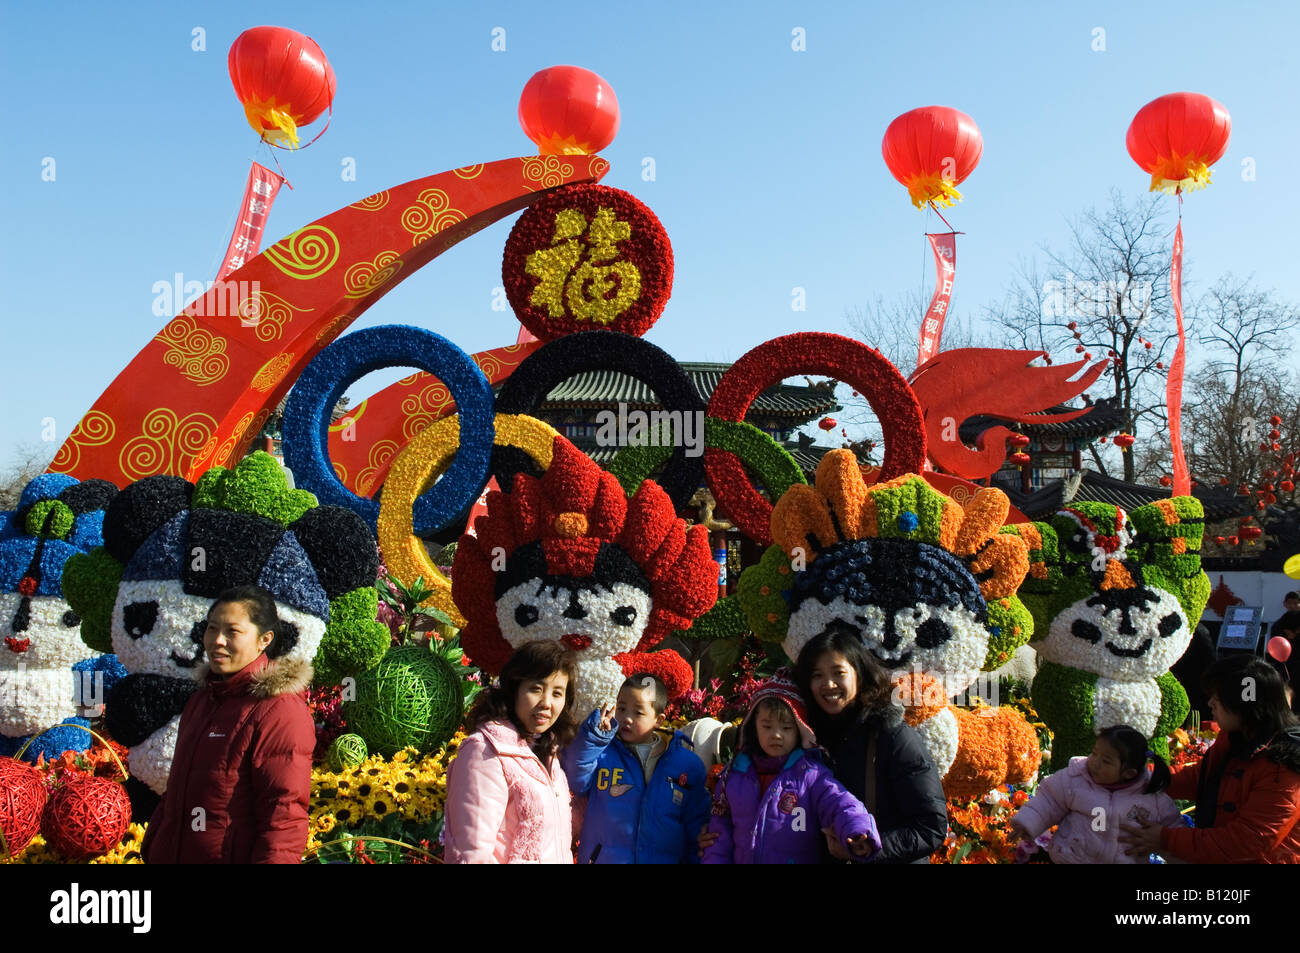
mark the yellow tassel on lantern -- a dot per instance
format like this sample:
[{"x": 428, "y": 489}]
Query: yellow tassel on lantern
[
  {"x": 1179, "y": 175},
  {"x": 262, "y": 114},
  {"x": 932, "y": 188},
  {"x": 563, "y": 146}
]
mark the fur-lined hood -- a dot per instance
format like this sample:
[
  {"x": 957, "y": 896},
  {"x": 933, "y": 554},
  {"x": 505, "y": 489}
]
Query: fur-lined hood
[
  {"x": 1284, "y": 749},
  {"x": 262, "y": 678}
]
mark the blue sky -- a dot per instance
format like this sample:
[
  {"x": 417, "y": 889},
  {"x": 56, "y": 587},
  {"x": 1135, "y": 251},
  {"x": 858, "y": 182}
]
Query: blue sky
[{"x": 767, "y": 159}]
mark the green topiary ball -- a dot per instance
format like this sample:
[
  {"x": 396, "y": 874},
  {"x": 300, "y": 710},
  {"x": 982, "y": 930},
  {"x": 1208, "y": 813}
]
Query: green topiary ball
[
  {"x": 411, "y": 698},
  {"x": 347, "y": 751}
]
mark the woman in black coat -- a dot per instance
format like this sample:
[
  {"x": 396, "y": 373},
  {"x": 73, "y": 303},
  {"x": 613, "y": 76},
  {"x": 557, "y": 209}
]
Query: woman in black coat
[{"x": 874, "y": 754}]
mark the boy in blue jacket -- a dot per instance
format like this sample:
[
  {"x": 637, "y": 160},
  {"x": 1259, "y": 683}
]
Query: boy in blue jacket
[{"x": 646, "y": 798}]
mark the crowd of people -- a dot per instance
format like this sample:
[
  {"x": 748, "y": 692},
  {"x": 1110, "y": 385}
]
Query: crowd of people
[{"x": 825, "y": 770}]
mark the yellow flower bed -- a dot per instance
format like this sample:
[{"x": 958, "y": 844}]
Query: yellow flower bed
[{"x": 127, "y": 852}]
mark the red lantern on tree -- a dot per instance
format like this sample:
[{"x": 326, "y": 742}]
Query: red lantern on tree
[
  {"x": 1020, "y": 459},
  {"x": 283, "y": 79},
  {"x": 827, "y": 423},
  {"x": 1166, "y": 480},
  {"x": 1124, "y": 440},
  {"x": 932, "y": 150},
  {"x": 568, "y": 111},
  {"x": 1177, "y": 138},
  {"x": 1251, "y": 532}
]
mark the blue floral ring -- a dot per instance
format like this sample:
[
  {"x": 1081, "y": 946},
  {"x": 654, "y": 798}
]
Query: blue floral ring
[{"x": 307, "y": 419}]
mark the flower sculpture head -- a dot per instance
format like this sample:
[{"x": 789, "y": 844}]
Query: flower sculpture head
[
  {"x": 1113, "y": 592},
  {"x": 926, "y": 583},
  {"x": 57, "y": 518},
  {"x": 170, "y": 548},
  {"x": 568, "y": 557}
]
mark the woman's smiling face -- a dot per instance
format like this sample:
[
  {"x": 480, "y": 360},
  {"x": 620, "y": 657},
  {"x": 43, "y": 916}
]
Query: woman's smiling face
[
  {"x": 834, "y": 683},
  {"x": 231, "y": 639},
  {"x": 540, "y": 702}
]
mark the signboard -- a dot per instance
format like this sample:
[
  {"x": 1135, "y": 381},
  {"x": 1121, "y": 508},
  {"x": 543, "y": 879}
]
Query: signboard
[{"x": 1240, "y": 630}]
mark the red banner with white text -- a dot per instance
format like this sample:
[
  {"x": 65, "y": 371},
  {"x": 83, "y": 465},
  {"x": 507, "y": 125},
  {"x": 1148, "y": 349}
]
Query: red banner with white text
[
  {"x": 945, "y": 268},
  {"x": 263, "y": 186},
  {"x": 1174, "y": 387}
]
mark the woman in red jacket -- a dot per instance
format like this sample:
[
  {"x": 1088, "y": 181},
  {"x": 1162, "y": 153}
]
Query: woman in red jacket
[
  {"x": 240, "y": 781},
  {"x": 1247, "y": 787}
]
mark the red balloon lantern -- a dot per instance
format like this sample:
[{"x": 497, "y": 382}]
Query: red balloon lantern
[
  {"x": 1124, "y": 440},
  {"x": 568, "y": 111},
  {"x": 1251, "y": 532},
  {"x": 1177, "y": 138},
  {"x": 1279, "y": 648},
  {"x": 22, "y": 798},
  {"x": 827, "y": 423},
  {"x": 1020, "y": 459},
  {"x": 932, "y": 150},
  {"x": 283, "y": 79},
  {"x": 86, "y": 817},
  {"x": 1018, "y": 440}
]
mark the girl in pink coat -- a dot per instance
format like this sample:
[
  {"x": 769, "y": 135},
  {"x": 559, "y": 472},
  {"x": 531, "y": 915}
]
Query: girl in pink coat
[
  {"x": 1093, "y": 796},
  {"x": 507, "y": 796}
]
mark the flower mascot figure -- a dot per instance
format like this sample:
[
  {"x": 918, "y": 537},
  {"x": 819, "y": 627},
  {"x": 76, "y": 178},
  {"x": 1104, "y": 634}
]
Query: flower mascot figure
[
  {"x": 171, "y": 547},
  {"x": 44, "y": 669},
  {"x": 569, "y": 558},
  {"x": 930, "y": 588},
  {"x": 1112, "y": 595}
]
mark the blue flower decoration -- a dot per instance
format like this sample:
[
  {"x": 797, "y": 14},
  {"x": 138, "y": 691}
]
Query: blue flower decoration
[
  {"x": 907, "y": 521},
  {"x": 347, "y": 360}
]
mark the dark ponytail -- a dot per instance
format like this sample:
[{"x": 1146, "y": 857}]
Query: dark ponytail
[
  {"x": 260, "y": 605},
  {"x": 1131, "y": 745}
]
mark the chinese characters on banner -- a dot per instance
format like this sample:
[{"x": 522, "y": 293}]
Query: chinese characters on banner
[
  {"x": 246, "y": 240},
  {"x": 945, "y": 268}
]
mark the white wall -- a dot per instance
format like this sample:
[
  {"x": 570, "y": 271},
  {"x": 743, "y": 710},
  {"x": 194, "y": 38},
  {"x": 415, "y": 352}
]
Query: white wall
[{"x": 1264, "y": 589}]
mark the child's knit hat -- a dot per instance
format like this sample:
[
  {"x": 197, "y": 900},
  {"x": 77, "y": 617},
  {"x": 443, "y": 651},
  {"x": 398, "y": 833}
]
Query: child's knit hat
[{"x": 780, "y": 686}]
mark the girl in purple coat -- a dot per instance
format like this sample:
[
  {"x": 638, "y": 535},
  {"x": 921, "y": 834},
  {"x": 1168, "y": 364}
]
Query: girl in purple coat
[{"x": 776, "y": 796}]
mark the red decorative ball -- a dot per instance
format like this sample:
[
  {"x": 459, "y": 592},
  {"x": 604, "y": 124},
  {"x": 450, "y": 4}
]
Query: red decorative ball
[
  {"x": 587, "y": 258},
  {"x": 22, "y": 798},
  {"x": 1275, "y": 420},
  {"x": 1166, "y": 480},
  {"x": 1287, "y": 486},
  {"x": 86, "y": 817}
]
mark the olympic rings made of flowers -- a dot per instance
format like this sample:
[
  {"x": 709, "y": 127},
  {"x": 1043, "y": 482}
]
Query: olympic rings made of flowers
[
  {"x": 587, "y": 257},
  {"x": 418, "y": 465},
  {"x": 333, "y": 370},
  {"x": 755, "y": 449},
  {"x": 844, "y": 359},
  {"x": 554, "y": 362}
]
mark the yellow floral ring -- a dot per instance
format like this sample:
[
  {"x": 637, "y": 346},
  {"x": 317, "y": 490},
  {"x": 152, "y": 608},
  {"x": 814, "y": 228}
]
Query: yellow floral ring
[{"x": 416, "y": 468}]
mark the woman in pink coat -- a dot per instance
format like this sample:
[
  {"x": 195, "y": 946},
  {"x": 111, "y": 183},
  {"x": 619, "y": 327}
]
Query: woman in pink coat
[
  {"x": 507, "y": 796},
  {"x": 1093, "y": 796}
]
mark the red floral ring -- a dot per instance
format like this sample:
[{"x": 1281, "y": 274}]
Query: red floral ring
[
  {"x": 834, "y": 355},
  {"x": 587, "y": 257}
]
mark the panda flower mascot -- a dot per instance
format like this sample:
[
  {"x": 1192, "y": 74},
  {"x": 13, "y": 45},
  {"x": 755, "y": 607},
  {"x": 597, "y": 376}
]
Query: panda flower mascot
[
  {"x": 43, "y": 655},
  {"x": 1114, "y": 596},
  {"x": 569, "y": 558},
  {"x": 171, "y": 547},
  {"x": 927, "y": 584}
]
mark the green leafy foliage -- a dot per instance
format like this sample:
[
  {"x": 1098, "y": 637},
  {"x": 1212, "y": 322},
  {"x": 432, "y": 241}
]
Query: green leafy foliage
[
  {"x": 90, "y": 582},
  {"x": 257, "y": 485},
  {"x": 354, "y": 640}
]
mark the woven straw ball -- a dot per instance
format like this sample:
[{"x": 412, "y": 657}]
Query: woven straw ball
[
  {"x": 86, "y": 817},
  {"x": 22, "y": 798}
]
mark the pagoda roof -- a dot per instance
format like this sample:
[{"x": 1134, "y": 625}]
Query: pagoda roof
[
  {"x": 1103, "y": 417},
  {"x": 596, "y": 390},
  {"x": 1090, "y": 485}
]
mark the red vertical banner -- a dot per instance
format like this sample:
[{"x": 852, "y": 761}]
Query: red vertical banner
[
  {"x": 945, "y": 269},
  {"x": 263, "y": 186},
  {"x": 1174, "y": 386},
  {"x": 480, "y": 506}
]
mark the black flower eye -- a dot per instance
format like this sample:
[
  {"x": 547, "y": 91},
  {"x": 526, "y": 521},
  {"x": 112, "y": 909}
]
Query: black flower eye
[
  {"x": 1169, "y": 625},
  {"x": 196, "y": 633},
  {"x": 526, "y": 615},
  {"x": 623, "y": 615},
  {"x": 71, "y": 620},
  {"x": 932, "y": 633},
  {"x": 139, "y": 617}
]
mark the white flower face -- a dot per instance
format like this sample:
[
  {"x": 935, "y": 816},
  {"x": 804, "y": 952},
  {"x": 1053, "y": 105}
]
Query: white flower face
[
  {"x": 33, "y": 699},
  {"x": 158, "y": 628},
  {"x": 947, "y": 642},
  {"x": 1124, "y": 634},
  {"x": 594, "y": 623},
  {"x": 310, "y": 632},
  {"x": 151, "y": 761},
  {"x": 50, "y": 639}
]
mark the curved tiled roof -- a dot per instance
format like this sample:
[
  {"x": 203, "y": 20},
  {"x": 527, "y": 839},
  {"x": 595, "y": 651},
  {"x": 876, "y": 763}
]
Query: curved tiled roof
[
  {"x": 1103, "y": 489},
  {"x": 599, "y": 389},
  {"x": 1103, "y": 417}
]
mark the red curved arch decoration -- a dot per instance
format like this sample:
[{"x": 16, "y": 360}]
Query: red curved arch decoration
[{"x": 202, "y": 388}]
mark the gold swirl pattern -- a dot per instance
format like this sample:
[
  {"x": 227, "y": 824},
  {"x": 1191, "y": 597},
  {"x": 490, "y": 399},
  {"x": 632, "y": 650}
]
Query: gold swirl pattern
[
  {"x": 431, "y": 213},
  {"x": 306, "y": 254},
  {"x": 380, "y": 454},
  {"x": 200, "y": 354},
  {"x": 410, "y": 379},
  {"x": 268, "y": 313},
  {"x": 422, "y": 409},
  {"x": 372, "y": 203},
  {"x": 326, "y": 335},
  {"x": 598, "y": 167},
  {"x": 93, "y": 430},
  {"x": 340, "y": 471},
  {"x": 367, "y": 276},
  {"x": 164, "y": 442},
  {"x": 469, "y": 171},
  {"x": 249, "y": 426},
  {"x": 547, "y": 171},
  {"x": 271, "y": 373}
]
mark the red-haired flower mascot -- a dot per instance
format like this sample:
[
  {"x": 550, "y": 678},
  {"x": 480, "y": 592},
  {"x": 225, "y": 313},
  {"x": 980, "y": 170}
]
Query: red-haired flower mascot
[{"x": 569, "y": 558}]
